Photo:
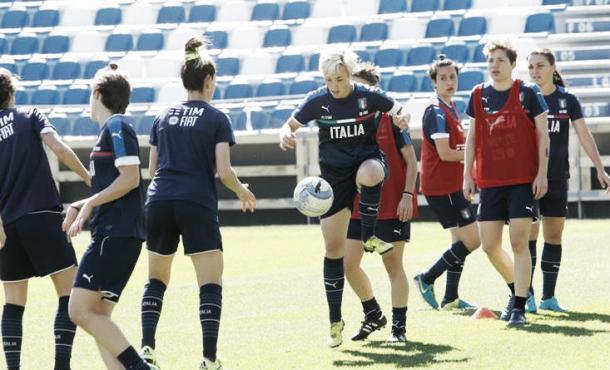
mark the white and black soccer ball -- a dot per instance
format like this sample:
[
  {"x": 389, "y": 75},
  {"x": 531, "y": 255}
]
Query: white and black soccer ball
[{"x": 313, "y": 196}]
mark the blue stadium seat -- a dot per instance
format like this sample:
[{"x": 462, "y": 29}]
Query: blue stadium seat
[
  {"x": 24, "y": 45},
  {"x": 77, "y": 95},
  {"x": 21, "y": 98},
  {"x": 150, "y": 41},
  {"x": 392, "y": 6},
  {"x": 342, "y": 33},
  {"x": 144, "y": 125},
  {"x": 473, "y": 26},
  {"x": 92, "y": 66},
  {"x": 119, "y": 42},
  {"x": 12, "y": 67},
  {"x": 557, "y": 2},
  {"x": 35, "y": 71},
  {"x": 66, "y": 70},
  {"x": 302, "y": 86},
  {"x": 296, "y": 10},
  {"x": 290, "y": 63},
  {"x": 259, "y": 119},
  {"x": 279, "y": 116},
  {"x": 217, "y": 93},
  {"x": 582, "y": 54},
  {"x": 363, "y": 55},
  {"x": 45, "y": 96},
  {"x": 403, "y": 83},
  {"x": 83, "y": 126},
  {"x": 227, "y": 66},
  {"x": 478, "y": 56},
  {"x": 238, "y": 91},
  {"x": 314, "y": 62},
  {"x": 424, "y": 5},
  {"x": 469, "y": 79},
  {"x": 426, "y": 84},
  {"x": 218, "y": 39},
  {"x": 202, "y": 13},
  {"x": 62, "y": 125},
  {"x": 376, "y": 31},
  {"x": 143, "y": 94},
  {"x": 457, "y": 4},
  {"x": 16, "y": 18},
  {"x": 277, "y": 37},
  {"x": 442, "y": 27},
  {"x": 238, "y": 119},
  {"x": 171, "y": 14},
  {"x": 421, "y": 55},
  {"x": 46, "y": 18},
  {"x": 265, "y": 12},
  {"x": 3, "y": 45},
  {"x": 271, "y": 88},
  {"x": 108, "y": 16},
  {"x": 540, "y": 22},
  {"x": 460, "y": 105},
  {"x": 457, "y": 52},
  {"x": 56, "y": 44},
  {"x": 389, "y": 57}
]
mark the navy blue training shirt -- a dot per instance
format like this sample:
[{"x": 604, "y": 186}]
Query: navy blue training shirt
[
  {"x": 186, "y": 136},
  {"x": 26, "y": 182},
  {"x": 116, "y": 146},
  {"x": 531, "y": 98},
  {"x": 434, "y": 122}
]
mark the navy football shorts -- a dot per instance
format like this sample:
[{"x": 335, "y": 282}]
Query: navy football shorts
[
  {"x": 506, "y": 202},
  {"x": 452, "y": 210}
]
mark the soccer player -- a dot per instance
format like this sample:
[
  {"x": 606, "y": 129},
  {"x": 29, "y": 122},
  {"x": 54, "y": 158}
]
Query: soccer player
[
  {"x": 442, "y": 170},
  {"x": 564, "y": 108},
  {"x": 190, "y": 143},
  {"x": 397, "y": 205},
  {"x": 31, "y": 240},
  {"x": 117, "y": 222},
  {"x": 507, "y": 153},
  {"x": 346, "y": 114}
]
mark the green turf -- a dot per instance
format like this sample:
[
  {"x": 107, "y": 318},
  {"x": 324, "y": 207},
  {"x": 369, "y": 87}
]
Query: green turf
[{"x": 275, "y": 317}]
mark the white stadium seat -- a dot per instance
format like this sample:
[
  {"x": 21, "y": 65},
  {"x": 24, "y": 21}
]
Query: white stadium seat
[
  {"x": 88, "y": 42},
  {"x": 234, "y": 11}
]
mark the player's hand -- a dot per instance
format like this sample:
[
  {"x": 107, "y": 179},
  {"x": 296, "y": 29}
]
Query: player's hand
[
  {"x": 604, "y": 180},
  {"x": 71, "y": 214},
  {"x": 402, "y": 120},
  {"x": 288, "y": 139},
  {"x": 2, "y": 236},
  {"x": 469, "y": 188},
  {"x": 540, "y": 186},
  {"x": 82, "y": 217},
  {"x": 405, "y": 208},
  {"x": 247, "y": 198}
]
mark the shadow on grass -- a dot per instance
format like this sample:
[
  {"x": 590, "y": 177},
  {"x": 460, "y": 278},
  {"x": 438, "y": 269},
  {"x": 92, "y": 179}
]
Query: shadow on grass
[
  {"x": 570, "y": 331},
  {"x": 576, "y": 316},
  {"x": 411, "y": 354}
]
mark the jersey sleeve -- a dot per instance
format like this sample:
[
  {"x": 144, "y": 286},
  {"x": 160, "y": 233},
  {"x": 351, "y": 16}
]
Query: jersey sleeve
[
  {"x": 304, "y": 112},
  {"x": 435, "y": 123},
  {"x": 380, "y": 102},
  {"x": 401, "y": 138},
  {"x": 224, "y": 133},
  {"x": 154, "y": 139},
  {"x": 470, "y": 107},
  {"x": 536, "y": 102},
  {"x": 124, "y": 143},
  {"x": 574, "y": 108},
  {"x": 41, "y": 122}
]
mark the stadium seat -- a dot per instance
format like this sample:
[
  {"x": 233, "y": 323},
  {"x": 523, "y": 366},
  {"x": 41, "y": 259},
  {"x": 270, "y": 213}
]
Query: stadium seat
[
  {"x": 277, "y": 36},
  {"x": 259, "y": 119},
  {"x": 426, "y": 85},
  {"x": 3, "y": 45},
  {"x": 21, "y": 98},
  {"x": 141, "y": 12},
  {"x": 238, "y": 119},
  {"x": 540, "y": 22},
  {"x": 478, "y": 56},
  {"x": 233, "y": 11},
  {"x": 310, "y": 34},
  {"x": 246, "y": 37},
  {"x": 290, "y": 63},
  {"x": 150, "y": 41},
  {"x": 171, "y": 93},
  {"x": 363, "y": 55},
  {"x": 144, "y": 125},
  {"x": 15, "y": 18},
  {"x": 270, "y": 88},
  {"x": 296, "y": 10},
  {"x": 424, "y": 6},
  {"x": 441, "y": 27},
  {"x": 392, "y": 6},
  {"x": 108, "y": 16},
  {"x": 83, "y": 126},
  {"x": 88, "y": 42},
  {"x": 377, "y": 31},
  {"x": 314, "y": 62},
  {"x": 35, "y": 71},
  {"x": 403, "y": 83},
  {"x": 460, "y": 105},
  {"x": 342, "y": 33},
  {"x": 421, "y": 55},
  {"x": 119, "y": 42},
  {"x": 279, "y": 116},
  {"x": 217, "y": 93},
  {"x": 56, "y": 44},
  {"x": 265, "y": 12},
  {"x": 390, "y": 57},
  {"x": 227, "y": 66},
  {"x": 202, "y": 13},
  {"x": 469, "y": 79},
  {"x": 327, "y": 9},
  {"x": 77, "y": 94},
  {"x": 410, "y": 28},
  {"x": 11, "y": 66},
  {"x": 143, "y": 94},
  {"x": 302, "y": 86},
  {"x": 171, "y": 14},
  {"x": 473, "y": 26},
  {"x": 92, "y": 66},
  {"x": 457, "y": 4},
  {"x": 359, "y": 8},
  {"x": 238, "y": 91},
  {"x": 62, "y": 124},
  {"x": 66, "y": 70},
  {"x": 218, "y": 39},
  {"x": 557, "y": 2},
  {"x": 45, "y": 96},
  {"x": 46, "y": 18},
  {"x": 456, "y": 52},
  {"x": 24, "y": 44}
]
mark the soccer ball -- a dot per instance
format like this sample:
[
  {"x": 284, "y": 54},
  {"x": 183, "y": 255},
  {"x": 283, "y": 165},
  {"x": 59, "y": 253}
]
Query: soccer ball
[{"x": 313, "y": 196}]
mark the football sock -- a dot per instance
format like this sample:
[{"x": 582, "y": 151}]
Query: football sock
[
  {"x": 333, "y": 284},
  {"x": 533, "y": 254},
  {"x": 371, "y": 309},
  {"x": 399, "y": 319},
  {"x": 369, "y": 207},
  {"x": 549, "y": 264},
  {"x": 456, "y": 254},
  {"x": 131, "y": 361},
  {"x": 210, "y": 307},
  {"x": 152, "y": 303},
  {"x": 64, "y": 330},
  {"x": 12, "y": 331}
]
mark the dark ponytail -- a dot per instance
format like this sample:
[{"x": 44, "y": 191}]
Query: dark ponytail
[
  {"x": 195, "y": 68},
  {"x": 7, "y": 87},
  {"x": 368, "y": 72},
  {"x": 557, "y": 79},
  {"x": 441, "y": 61},
  {"x": 550, "y": 57}
]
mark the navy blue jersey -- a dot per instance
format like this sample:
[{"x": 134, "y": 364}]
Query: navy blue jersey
[
  {"x": 117, "y": 145},
  {"x": 434, "y": 122},
  {"x": 564, "y": 108},
  {"x": 530, "y": 96},
  {"x": 347, "y": 126},
  {"x": 26, "y": 183},
  {"x": 186, "y": 136}
]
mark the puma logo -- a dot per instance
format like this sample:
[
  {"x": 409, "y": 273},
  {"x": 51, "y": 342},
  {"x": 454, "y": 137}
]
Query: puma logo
[
  {"x": 529, "y": 208},
  {"x": 326, "y": 108},
  {"x": 398, "y": 232},
  {"x": 334, "y": 285},
  {"x": 88, "y": 277}
]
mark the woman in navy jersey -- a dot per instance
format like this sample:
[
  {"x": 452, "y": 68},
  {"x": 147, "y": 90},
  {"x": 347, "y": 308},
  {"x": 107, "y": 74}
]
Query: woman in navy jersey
[
  {"x": 31, "y": 240},
  {"x": 116, "y": 214},
  {"x": 507, "y": 157},
  {"x": 350, "y": 159},
  {"x": 397, "y": 206},
  {"x": 564, "y": 108},
  {"x": 190, "y": 144},
  {"x": 442, "y": 168}
]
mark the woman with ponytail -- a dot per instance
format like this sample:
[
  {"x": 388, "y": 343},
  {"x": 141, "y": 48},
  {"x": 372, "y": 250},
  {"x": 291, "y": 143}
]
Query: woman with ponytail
[
  {"x": 564, "y": 108},
  {"x": 190, "y": 144}
]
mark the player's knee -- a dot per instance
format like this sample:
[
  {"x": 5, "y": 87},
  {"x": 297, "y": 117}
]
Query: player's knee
[
  {"x": 78, "y": 314},
  {"x": 369, "y": 174}
]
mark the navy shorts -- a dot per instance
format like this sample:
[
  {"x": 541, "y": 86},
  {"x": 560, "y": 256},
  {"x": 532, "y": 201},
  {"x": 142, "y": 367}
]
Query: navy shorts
[
  {"x": 452, "y": 210},
  {"x": 389, "y": 231},
  {"x": 167, "y": 220},
  {"x": 506, "y": 202},
  {"x": 555, "y": 201},
  {"x": 107, "y": 264},
  {"x": 35, "y": 246}
]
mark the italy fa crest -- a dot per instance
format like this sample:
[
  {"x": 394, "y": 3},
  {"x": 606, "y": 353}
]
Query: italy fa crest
[{"x": 362, "y": 104}]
